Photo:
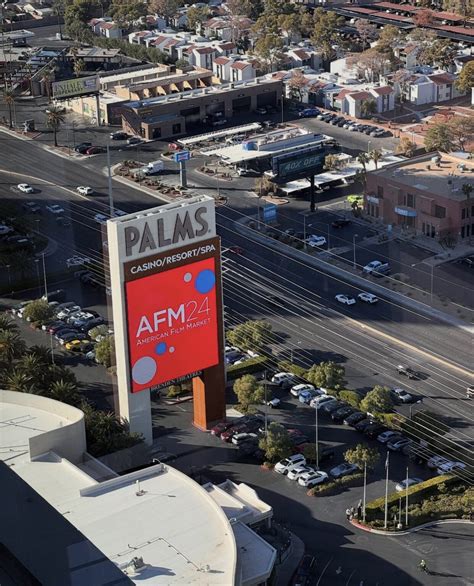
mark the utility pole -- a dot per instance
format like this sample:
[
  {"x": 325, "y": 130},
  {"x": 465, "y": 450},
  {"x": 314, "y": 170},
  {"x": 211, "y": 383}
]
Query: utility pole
[
  {"x": 406, "y": 501},
  {"x": 386, "y": 490},
  {"x": 109, "y": 182},
  {"x": 266, "y": 406},
  {"x": 44, "y": 277},
  {"x": 354, "y": 264},
  {"x": 364, "y": 497}
]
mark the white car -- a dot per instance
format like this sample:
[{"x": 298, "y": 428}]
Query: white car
[
  {"x": 404, "y": 484},
  {"x": 315, "y": 241},
  {"x": 450, "y": 467},
  {"x": 284, "y": 466},
  {"x": 67, "y": 311},
  {"x": 77, "y": 261},
  {"x": 436, "y": 461},
  {"x": 370, "y": 268},
  {"x": 311, "y": 479},
  {"x": 298, "y": 471},
  {"x": 402, "y": 396},
  {"x": 388, "y": 436},
  {"x": 345, "y": 299},
  {"x": 54, "y": 208},
  {"x": 240, "y": 438},
  {"x": 297, "y": 389},
  {"x": 367, "y": 297},
  {"x": 83, "y": 190},
  {"x": 283, "y": 379},
  {"x": 25, "y": 188},
  {"x": 316, "y": 402},
  {"x": 274, "y": 403}
]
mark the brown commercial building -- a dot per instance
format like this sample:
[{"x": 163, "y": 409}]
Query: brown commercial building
[
  {"x": 426, "y": 195},
  {"x": 176, "y": 114}
]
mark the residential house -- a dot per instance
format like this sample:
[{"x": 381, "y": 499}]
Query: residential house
[
  {"x": 430, "y": 89},
  {"x": 304, "y": 58},
  {"x": 350, "y": 100},
  {"x": 106, "y": 27},
  {"x": 227, "y": 28},
  {"x": 408, "y": 55},
  {"x": 233, "y": 69}
]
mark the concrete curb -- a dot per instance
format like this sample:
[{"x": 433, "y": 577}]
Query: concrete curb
[
  {"x": 408, "y": 531},
  {"x": 351, "y": 278},
  {"x": 161, "y": 198}
]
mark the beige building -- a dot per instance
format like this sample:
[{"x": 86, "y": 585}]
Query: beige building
[{"x": 174, "y": 115}]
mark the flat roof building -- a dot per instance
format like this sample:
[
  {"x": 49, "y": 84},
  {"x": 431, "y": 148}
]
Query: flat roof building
[
  {"x": 71, "y": 520},
  {"x": 425, "y": 195},
  {"x": 174, "y": 115}
]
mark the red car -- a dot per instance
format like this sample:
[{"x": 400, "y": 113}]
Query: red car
[
  {"x": 221, "y": 427},
  {"x": 95, "y": 150},
  {"x": 174, "y": 146},
  {"x": 227, "y": 435}
]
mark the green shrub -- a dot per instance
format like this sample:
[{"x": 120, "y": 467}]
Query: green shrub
[
  {"x": 415, "y": 494},
  {"x": 334, "y": 486},
  {"x": 287, "y": 366},
  {"x": 249, "y": 366},
  {"x": 352, "y": 398}
]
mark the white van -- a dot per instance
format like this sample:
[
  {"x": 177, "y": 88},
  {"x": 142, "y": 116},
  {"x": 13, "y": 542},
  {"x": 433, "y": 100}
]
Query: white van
[{"x": 153, "y": 167}]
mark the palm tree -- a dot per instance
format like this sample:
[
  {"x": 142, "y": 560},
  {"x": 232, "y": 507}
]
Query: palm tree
[
  {"x": 55, "y": 117},
  {"x": 41, "y": 353},
  {"x": 9, "y": 97},
  {"x": 65, "y": 392},
  {"x": 11, "y": 346},
  {"x": 363, "y": 159},
  {"x": 376, "y": 155},
  {"x": 7, "y": 325},
  {"x": 20, "y": 382},
  {"x": 467, "y": 189},
  {"x": 79, "y": 67}
]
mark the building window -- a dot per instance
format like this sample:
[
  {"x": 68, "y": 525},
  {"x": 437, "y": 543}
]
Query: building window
[
  {"x": 176, "y": 128},
  {"x": 379, "y": 191},
  {"x": 440, "y": 212},
  {"x": 463, "y": 214},
  {"x": 411, "y": 200}
]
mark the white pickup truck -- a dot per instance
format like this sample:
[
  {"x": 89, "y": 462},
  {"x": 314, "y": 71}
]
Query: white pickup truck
[{"x": 153, "y": 167}]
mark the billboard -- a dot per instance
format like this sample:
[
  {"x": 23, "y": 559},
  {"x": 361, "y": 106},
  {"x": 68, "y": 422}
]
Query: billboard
[
  {"x": 298, "y": 164},
  {"x": 172, "y": 323},
  {"x": 70, "y": 88}
]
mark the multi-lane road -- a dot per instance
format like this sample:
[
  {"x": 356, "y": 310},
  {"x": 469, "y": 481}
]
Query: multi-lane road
[{"x": 370, "y": 339}]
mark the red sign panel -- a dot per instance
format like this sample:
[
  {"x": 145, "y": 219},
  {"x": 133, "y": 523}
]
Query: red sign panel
[{"x": 172, "y": 323}]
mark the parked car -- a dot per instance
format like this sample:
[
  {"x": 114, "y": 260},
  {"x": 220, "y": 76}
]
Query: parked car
[
  {"x": 354, "y": 418},
  {"x": 240, "y": 438},
  {"x": 287, "y": 464},
  {"x": 283, "y": 379},
  {"x": 134, "y": 140},
  {"x": 450, "y": 467},
  {"x": 73, "y": 335},
  {"x": 306, "y": 396},
  {"x": 315, "y": 241},
  {"x": 308, "y": 113},
  {"x": 363, "y": 424},
  {"x": 338, "y": 415},
  {"x": 119, "y": 135},
  {"x": 331, "y": 407},
  {"x": 345, "y": 299},
  {"x": 408, "y": 372},
  {"x": 320, "y": 401},
  {"x": 298, "y": 471},
  {"x": 297, "y": 389},
  {"x": 67, "y": 311},
  {"x": 374, "y": 430},
  {"x": 221, "y": 427},
  {"x": 404, "y": 484},
  {"x": 95, "y": 150},
  {"x": 310, "y": 479},
  {"x": 367, "y": 297},
  {"x": 64, "y": 331},
  {"x": 82, "y": 147},
  {"x": 398, "y": 444},
  {"x": 341, "y": 223},
  {"x": 82, "y": 346},
  {"x": 274, "y": 403},
  {"x": 402, "y": 396},
  {"x": 57, "y": 295},
  {"x": 77, "y": 261},
  {"x": 242, "y": 172},
  {"x": 261, "y": 110},
  {"x": 388, "y": 436},
  {"x": 25, "y": 188},
  {"x": 436, "y": 461},
  {"x": 371, "y": 266},
  {"x": 31, "y": 207},
  {"x": 343, "y": 470}
]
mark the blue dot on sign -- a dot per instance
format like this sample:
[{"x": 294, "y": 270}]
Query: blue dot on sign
[
  {"x": 160, "y": 348},
  {"x": 205, "y": 281}
]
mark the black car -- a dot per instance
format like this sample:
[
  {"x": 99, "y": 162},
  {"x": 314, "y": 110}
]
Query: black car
[
  {"x": 73, "y": 335},
  {"x": 330, "y": 407},
  {"x": 369, "y": 130},
  {"x": 341, "y": 223},
  {"x": 64, "y": 331},
  {"x": 354, "y": 418},
  {"x": 82, "y": 147},
  {"x": 305, "y": 571},
  {"x": 409, "y": 372},
  {"x": 119, "y": 135},
  {"x": 340, "y": 414},
  {"x": 373, "y": 430},
  {"x": 93, "y": 323},
  {"x": 363, "y": 424},
  {"x": 341, "y": 123},
  {"x": 335, "y": 120},
  {"x": 32, "y": 207},
  {"x": 57, "y": 295}
]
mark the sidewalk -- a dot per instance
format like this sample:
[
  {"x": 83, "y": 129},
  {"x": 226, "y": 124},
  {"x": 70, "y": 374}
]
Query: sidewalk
[{"x": 355, "y": 523}]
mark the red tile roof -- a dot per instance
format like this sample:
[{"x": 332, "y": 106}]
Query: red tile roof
[
  {"x": 240, "y": 65},
  {"x": 221, "y": 60},
  {"x": 460, "y": 30},
  {"x": 205, "y": 50},
  {"x": 452, "y": 16},
  {"x": 442, "y": 78},
  {"x": 397, "y": 7},
  {"x": 359, "y": 96},
  {"x": 226, "y": 46},
  {"x": 301, "y": 54},
  {"x": 383, "y": 91},
  {"x": 342, "y": 94}
]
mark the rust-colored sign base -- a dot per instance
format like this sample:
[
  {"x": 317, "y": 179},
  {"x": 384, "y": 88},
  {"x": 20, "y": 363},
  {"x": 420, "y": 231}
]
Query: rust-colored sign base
[{"x": 209, "y": 397}]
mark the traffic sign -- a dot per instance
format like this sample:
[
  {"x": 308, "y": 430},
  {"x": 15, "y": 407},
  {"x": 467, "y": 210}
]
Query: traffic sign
[
  {"x": 269, "y": 212},
  {"x": 182, "y": 156}
]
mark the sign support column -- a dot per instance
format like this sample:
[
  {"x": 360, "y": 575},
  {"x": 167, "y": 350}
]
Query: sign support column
[{"x": 181, "y": 158}]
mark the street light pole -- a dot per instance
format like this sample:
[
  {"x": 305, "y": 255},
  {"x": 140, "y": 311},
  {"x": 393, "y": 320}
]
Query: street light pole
[
  {"x": 364, "y": 497},
  {"x": 44, "y": 277},
  {"x": 368, "y": 146},
  {"x": 38, "y": 273},
  {"x": 266, "y": 406},
  {"x": 316, "y": 435},
  {"x": 386, "y": 490},
  {"x": 354, "y": 264},
  {"x": 406, "y": 501}
]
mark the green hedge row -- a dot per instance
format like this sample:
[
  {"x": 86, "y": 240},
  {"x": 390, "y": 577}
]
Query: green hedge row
[
  {"x": 415, "y": 493},
  {"x": 248, "y": 367},
  {"x": 334, "y": 486}
]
